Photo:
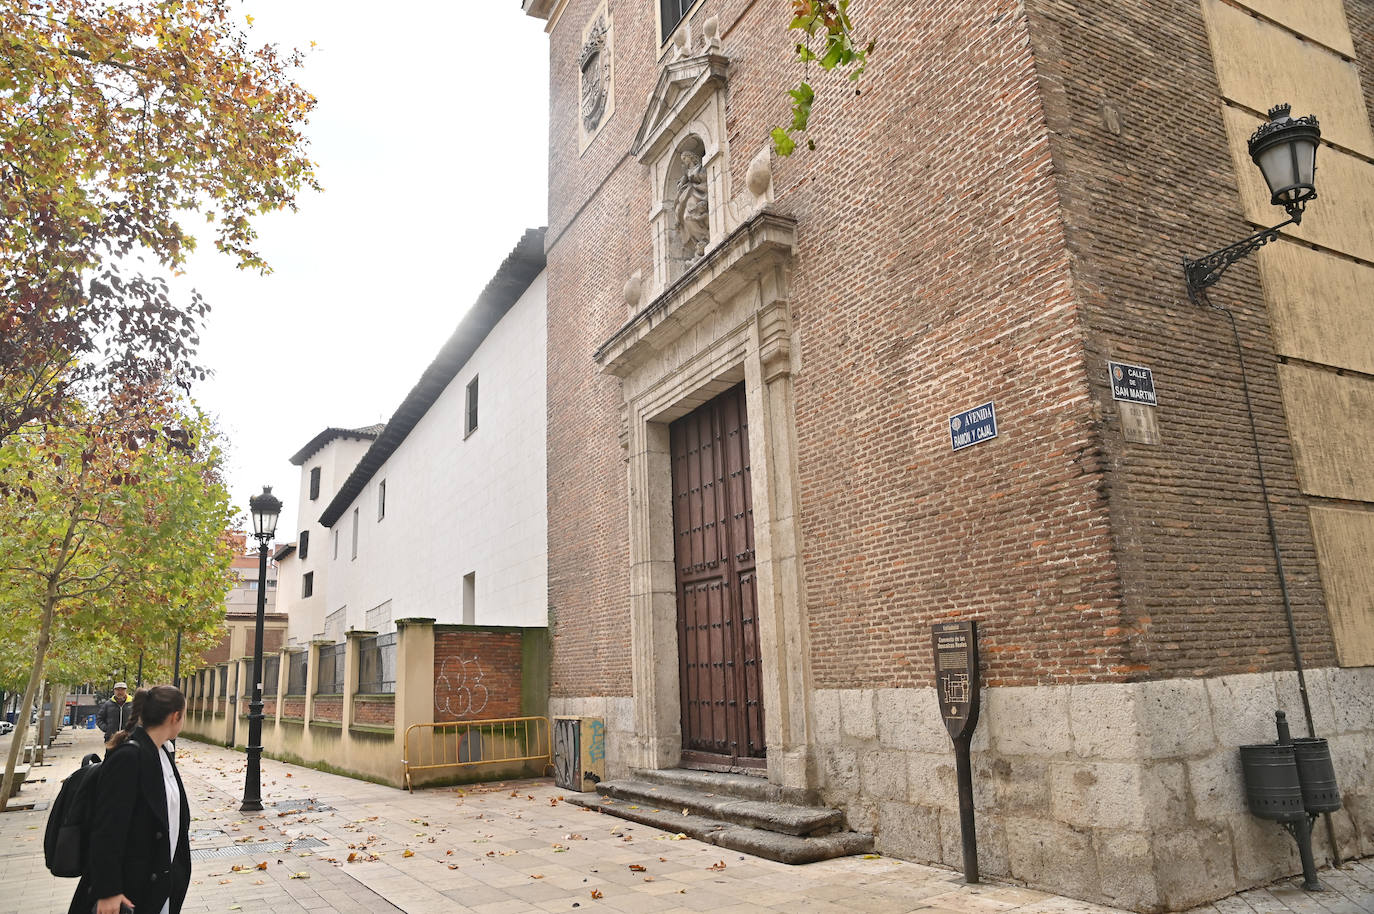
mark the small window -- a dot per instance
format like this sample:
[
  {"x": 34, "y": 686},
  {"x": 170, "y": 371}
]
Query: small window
[
  {"x": 335, "y": 531},
  {"x": 314, "y": 483},
  {"x": 355, "y": 533},
  {"x": 670, "y": 13},
  {"x": 308, "y": 584},
  {"x": 305, "y": 543},
  {"x": 381, "y": 499},
  {"x": 470, "y": 598},
  {"x": 470, "y": 422}
]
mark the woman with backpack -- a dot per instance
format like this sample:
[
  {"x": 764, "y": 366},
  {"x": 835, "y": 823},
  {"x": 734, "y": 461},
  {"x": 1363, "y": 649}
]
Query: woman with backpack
[{"x": 139, "y": 855}]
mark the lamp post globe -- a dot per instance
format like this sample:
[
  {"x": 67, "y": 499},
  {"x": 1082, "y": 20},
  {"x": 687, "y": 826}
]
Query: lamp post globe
[
  {"x": 1285, "y": 149},
  {"x": 265, "y": 508}
]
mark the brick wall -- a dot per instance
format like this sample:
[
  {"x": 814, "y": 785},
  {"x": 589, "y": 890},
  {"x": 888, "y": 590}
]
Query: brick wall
[
  {"x": 477, "y": 674},
  {"x": 986, "y": 221},
  {"x": 328, "y": 709},
  {"x": 931, "y": 276},
  {"x": 374, "y": 712},
  {"x": 293, "y": 708},
  {"x": 1198, "y": 577}
]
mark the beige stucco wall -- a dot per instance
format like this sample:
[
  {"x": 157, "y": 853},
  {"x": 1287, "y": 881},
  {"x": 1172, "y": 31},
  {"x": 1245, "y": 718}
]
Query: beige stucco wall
[
  {"x": 1259, "y": 65},
  {"x": 1321, "y": 306},
  {"x": 1331, "y": 421},
  {"x": 1321, "y": 20},
  {"x": 1320, "y": 295},
  {"x": 1344, "y": 539}
]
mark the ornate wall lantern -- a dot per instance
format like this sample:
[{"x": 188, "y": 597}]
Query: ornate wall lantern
[{"x": 1285, "y": 149}]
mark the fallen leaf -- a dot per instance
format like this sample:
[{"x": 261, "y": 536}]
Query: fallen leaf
[
  {"x": 686, "y": 811},
  {"x": 453, "y": 866},
  {"x": 678, "y": 837},
  {"x": 636, "y": 868},
  {"x": 872, "y": 856},
  {"x": 718, "y": 865},
  {"x": 536, "y": 875},
  {"x": 301, "y": 875},
  {"x": 408, "y": 853},
  {"x": 263, "y": 865},
  {"x": 648, "y": 878},
  {"x": 596, "y": 893}
]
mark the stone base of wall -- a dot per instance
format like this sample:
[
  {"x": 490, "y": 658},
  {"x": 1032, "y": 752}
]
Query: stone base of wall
[
  {"x": 1125, "y": 794},
  {"x": 619, "y": 717}
]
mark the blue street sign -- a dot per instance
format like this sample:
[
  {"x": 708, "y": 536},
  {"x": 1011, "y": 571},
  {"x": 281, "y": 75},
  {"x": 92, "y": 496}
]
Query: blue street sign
[
  {"x": 972, "y": 426},
  {"x": 1132, "y": 383}
]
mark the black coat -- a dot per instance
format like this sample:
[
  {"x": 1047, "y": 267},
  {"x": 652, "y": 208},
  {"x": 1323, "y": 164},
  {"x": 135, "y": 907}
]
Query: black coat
[
  {"x": 128, "y": 851},
  {"x": 113, "y": 716}
]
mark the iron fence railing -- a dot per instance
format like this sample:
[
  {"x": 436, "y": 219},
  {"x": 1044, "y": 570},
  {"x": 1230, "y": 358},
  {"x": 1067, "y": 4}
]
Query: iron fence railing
[
  {"x": 271, "y": 673},
  {"x": 297, "y": 669},
  {"x": 377, "y": 665},
  {"x": 331, "y": 681}
]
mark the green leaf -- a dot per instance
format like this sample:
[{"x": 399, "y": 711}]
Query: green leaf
[{"x": 782, "y": 143}]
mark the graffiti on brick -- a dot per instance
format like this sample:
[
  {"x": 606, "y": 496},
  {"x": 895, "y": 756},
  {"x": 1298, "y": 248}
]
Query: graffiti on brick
[{"x": 458, "y": 689}]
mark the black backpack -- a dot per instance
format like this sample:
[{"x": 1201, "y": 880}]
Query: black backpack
[{"x": 68, "y": 834}]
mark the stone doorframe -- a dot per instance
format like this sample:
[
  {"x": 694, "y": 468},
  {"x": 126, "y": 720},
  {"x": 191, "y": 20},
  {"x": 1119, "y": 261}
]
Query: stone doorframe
[{"x": 727, "y": 320}]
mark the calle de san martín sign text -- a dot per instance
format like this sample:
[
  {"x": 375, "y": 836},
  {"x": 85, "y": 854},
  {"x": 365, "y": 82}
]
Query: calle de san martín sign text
[
  {"x": 1132, "y": 383},
  {"x": 973, "y": 426}
]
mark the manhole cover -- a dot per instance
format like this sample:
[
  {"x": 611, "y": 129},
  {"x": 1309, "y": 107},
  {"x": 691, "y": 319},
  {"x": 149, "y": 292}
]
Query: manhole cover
[{"x": 254, "y": 850}]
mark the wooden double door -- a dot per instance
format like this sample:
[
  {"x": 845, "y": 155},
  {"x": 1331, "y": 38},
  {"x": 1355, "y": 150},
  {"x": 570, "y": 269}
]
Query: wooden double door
[{"x": 717, "y": 599}]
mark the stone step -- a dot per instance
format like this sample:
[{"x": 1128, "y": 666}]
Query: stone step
[
  {"x": 743, "y": 786},
  {"x": 785, "y": 818},
  {"x": 784, "y": 848}
]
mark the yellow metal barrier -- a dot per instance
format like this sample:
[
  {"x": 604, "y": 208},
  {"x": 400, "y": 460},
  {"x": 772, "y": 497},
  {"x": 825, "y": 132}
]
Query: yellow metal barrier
[{"x": 471, "y": 743}]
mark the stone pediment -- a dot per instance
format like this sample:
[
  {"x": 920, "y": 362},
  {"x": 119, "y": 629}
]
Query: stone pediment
[{"x": 683, "y": 88}]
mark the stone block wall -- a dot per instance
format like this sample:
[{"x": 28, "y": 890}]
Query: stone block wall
[{"x": 1098, "y": 791}]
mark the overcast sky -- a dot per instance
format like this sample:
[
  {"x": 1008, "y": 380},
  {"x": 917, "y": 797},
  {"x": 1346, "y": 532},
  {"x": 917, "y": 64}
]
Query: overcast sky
[{"x": 431, "y": 143}]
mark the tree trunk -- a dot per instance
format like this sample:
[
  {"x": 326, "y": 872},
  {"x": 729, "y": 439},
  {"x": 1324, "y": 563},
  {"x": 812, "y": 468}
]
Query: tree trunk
[{"x": 21, "y": 724}]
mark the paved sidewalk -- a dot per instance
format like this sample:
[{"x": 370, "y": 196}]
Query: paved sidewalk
[{"x": 332, "y": 844}]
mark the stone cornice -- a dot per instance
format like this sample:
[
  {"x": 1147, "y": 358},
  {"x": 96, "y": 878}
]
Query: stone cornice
[
  {"x": 765, "y": 241},
  {"x": 682, "y": 89}
]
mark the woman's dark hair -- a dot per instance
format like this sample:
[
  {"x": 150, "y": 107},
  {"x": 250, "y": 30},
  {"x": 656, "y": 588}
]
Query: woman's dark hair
[{"x": 151, "y": 707}]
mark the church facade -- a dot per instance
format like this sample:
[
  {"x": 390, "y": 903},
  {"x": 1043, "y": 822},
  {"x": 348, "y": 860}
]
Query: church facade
[{"x": 803, "y": 410}]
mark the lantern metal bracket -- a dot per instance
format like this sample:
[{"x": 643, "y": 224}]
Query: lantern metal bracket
[{"x": 1205, "y": 271}]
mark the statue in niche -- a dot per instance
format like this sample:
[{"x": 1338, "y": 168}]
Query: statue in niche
[{"x": 692, "y": 207}]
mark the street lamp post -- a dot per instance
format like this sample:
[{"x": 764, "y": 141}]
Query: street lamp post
[{"x": 265, "y": 509}]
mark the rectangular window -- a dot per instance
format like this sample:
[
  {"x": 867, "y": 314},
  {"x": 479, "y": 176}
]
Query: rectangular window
[
  {"x": 308, "y": 584},
  {"x": 470, "y": 420},
  {"x": 381, "y": 499},
  {"x": 305, "y": 543},
  {"x": 470, "y": 598},
  {"x": 314, "y": 483},
  {"x": 335, "y": 531},
  {"x": 355, "y": 533},
  {"x": 670, "y": 13}
]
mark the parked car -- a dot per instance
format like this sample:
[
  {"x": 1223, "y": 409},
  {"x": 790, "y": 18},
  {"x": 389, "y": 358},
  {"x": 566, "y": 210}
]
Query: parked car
[{"x": 5, "y": 727}]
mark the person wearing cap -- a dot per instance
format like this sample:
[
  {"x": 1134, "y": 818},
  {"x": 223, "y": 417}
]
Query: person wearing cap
[{"x": 113, "y": 715}]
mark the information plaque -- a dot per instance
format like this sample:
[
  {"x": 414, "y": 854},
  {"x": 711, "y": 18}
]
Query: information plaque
[
  {"x": 956, "y": 676},
  {"x": 956, "y": 687}
]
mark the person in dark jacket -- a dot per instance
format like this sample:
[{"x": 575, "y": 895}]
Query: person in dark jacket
[
  {"x": 140, "y": 850},
  {"x": 113, "y": 714}
]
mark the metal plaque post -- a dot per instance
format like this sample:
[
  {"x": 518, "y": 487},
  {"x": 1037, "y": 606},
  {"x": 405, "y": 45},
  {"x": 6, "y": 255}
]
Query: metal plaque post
[{"x": 956, "y": 687}]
